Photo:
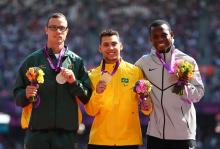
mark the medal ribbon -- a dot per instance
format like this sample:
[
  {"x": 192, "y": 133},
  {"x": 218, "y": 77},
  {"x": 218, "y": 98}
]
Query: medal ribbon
[
  {"x": 113, "y": 71},
  {"x": 168, "y": 67},
  {"x": 52, "y": 66}
]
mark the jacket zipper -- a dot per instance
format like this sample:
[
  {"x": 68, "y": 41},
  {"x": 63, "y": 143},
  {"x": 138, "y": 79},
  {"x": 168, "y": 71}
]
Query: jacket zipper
[
  {"x": 162, "y": 101},
  {"x": 185, "y": 118},
  {"x": 55, "y": 111}
]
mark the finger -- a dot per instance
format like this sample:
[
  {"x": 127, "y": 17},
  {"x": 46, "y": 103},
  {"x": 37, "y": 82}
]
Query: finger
[
  {"x": 102, "y": 83},
  {"x": 103, "y": 86}
]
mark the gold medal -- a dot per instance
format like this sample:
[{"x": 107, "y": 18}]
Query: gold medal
[{"x": 106, "y": 77}]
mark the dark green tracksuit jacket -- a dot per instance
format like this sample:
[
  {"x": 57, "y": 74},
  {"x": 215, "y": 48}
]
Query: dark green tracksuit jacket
[{"x": 58, "y": 107}]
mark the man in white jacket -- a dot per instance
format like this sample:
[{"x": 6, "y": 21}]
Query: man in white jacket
[{"x": 173, "y": 120}]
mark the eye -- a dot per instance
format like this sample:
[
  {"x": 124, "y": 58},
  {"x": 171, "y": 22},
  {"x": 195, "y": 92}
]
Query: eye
[
  {"x": 114, "y": 44},
  {"x": 62, "y": 28},
  {"x": 105, "y": 44},
  {"x": 55, "y": 28}
]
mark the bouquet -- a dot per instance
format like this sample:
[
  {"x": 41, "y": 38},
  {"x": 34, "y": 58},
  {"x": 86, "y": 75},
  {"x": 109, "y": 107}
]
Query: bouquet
[
  {"x": 36, "y": 76},
  {"x": 184, "y": 72},
  {"x": 143, "y": 89}
]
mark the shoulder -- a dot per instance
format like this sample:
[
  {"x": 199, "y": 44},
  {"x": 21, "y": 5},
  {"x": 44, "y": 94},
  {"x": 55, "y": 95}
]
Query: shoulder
[
  {"x": 129, "y": 68},
  {"x": 94, "y": 75},
  {"x": 73, "y": 55},
  {"x": 94, "y": 72},
  {"x": 31, "y": 60},
  {"x": 184, "y": 56},
  {"x": 143, "y": 60},
  {"x": 32, "y": 57},
  {"x": 35, "y": 54}
]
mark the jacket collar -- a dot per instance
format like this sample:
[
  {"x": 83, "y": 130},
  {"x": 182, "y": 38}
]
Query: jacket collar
[
  {"x": 66, "y": 53},
  {"x": 121, "y": 63},
  {"x": 167, "y": 56}
]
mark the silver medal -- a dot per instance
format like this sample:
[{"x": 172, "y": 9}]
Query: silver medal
[{"x": 60, "y": 79}]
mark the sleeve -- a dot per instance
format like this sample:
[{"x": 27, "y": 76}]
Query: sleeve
[
  {"x": 19, "y": 88},
  {"x": 82, "y": 86},
  {"x": 139, "y": 63},
  {"x": 194, "y": 90},
  {"x": 94, "y": 105},
  {"x": 141, "y": 74}
]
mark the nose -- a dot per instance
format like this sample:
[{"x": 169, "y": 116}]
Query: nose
[
  {"x": 111, "y": 47},
  {"x": 58, "y": 30},
  {"x": 160, "y": 39}
]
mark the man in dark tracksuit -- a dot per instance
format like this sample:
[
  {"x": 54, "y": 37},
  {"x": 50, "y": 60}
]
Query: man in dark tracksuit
[{"x": 52, "y": 120}]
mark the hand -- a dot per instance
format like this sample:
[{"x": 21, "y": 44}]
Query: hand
[
  {"x": 68, "y": 75},
  {"x": 101, "y": 86},
  {"x": 146, "y": 104},
  {"x": 31, "y": 91}
]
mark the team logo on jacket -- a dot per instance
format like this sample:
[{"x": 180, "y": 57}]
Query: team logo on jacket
[
  {"x": 125, "y": 81},
  {"x": 70, "y": 66}
]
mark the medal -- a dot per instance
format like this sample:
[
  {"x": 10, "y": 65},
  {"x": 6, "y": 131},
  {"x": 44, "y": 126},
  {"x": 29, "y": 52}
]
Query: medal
[
  {"x": 60, "y": 79},
  {"x": 54, "y": 67},
  {"x": 106, "y": 77}
]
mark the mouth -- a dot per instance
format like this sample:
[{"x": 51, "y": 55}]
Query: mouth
[
  {"x": 161, "y": 45},
  {"x": 111, "y": 53}
]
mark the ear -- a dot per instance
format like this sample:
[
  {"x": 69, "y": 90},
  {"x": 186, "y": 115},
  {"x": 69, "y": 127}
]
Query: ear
[
  {"x": 45, "y": 30},
  {"x": 172, "y": 34},
  {"x": 67, "y": 31},
  {"x": 150, "y": 39},
  {"x": 100, "y": 49},
  {"x": 121, "y": 47}
]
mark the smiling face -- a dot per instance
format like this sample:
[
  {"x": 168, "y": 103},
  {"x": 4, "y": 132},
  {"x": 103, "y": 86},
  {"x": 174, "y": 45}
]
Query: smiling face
[
  {"x": 161, "y": 37},
  {"x": 110, "y": 47}
]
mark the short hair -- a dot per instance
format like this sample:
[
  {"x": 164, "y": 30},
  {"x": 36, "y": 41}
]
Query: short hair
[
  {"x": 107, "y": 32},
  {"x": 157, "y": 23},
  {"x": 56, "y": 15}
]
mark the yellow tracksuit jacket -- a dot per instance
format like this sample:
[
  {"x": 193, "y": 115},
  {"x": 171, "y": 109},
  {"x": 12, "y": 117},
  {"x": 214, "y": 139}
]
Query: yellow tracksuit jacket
[{"x": 116, "y": 118}]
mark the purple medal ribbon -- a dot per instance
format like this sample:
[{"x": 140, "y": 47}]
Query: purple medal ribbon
[
  {"x": 170, "y": 70},
  {"x": 52, "y": 66},
  {"x": 113, "y": 71},
  {"x": 168, "y": 67},
  {"x": 56, "y": 68}
]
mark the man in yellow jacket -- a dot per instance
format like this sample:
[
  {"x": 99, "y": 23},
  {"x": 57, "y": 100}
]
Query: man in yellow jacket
[{"x": 113, "y": 103}]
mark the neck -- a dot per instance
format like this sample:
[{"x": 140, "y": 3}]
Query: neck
[
  {"x": 165, "y": 50},
  {"x": 56, "y": 48},
  {"x": 111, "y": 61}
]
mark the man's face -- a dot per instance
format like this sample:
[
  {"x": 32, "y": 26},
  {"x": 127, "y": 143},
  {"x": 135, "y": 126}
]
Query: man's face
[
  {"x": 56, "y": 30},
  {"x": 110, "y": 48},
  {"x": 161, "y": 37}
]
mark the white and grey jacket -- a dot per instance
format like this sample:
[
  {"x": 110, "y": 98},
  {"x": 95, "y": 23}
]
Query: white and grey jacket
[{"x": 173, "y": 116}]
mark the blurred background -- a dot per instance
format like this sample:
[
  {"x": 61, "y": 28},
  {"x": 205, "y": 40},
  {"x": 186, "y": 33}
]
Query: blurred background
[{"x": 196, "y": 24}]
